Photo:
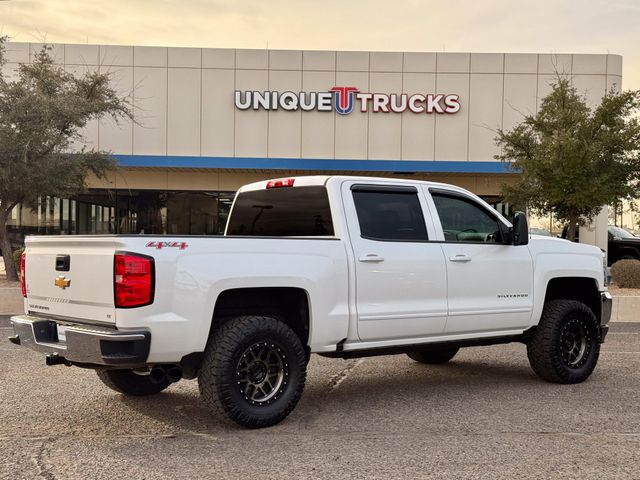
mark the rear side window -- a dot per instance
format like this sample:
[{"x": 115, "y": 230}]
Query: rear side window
[
  {"x": 390, "y": 215},
  {"x": 282, "y": 212}
]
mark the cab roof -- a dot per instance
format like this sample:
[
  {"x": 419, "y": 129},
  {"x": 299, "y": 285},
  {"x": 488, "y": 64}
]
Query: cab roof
[{"x": 321, "y": 180}]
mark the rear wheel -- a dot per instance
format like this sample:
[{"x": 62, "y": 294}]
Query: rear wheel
[
  {"x": 433, "y": 356},
  {"x": 254, "y": 370},
  {"x": 130, "y": 382},
  {"x": 566, "y": 344}
]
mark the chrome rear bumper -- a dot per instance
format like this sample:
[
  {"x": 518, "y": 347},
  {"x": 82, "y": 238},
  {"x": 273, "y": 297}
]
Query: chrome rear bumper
[{"x": 89, "y": 345}]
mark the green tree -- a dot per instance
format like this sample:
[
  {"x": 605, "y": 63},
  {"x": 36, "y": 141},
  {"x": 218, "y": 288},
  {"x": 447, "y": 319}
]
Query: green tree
[
  {"x": 573, "y": 160},
  {"x": 42, "y": 111}
]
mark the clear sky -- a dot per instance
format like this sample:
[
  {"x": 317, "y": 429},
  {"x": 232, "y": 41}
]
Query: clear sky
[{"x": 541, "y": 26}]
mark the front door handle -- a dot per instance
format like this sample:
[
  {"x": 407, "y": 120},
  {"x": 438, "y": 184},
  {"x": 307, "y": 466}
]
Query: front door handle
[
  {"x": 460, "y": 258},
  {"x": 371, "y": 258}
]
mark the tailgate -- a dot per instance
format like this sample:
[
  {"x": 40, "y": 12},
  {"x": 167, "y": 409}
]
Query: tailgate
[{"x": 71, "y": 277}]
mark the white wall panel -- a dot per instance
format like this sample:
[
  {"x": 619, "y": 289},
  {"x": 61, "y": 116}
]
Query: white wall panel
[
  {"x": 285, "y": 126},
  {"x": 184, "y": 57},
  {"x": 318, "y": 60},
  {"x": 550, "y": 63},
  {"x": 352, "y": 61},
  {"x": 81, "y": 55},
  {"x": 521, "y": 63},
  {"x": 251, "y": 126},
  {"x": 419, "y": 62},
  {"x": 16, "y": 52},
  {"x": 592, "y": 87},
  {"x": 318, "y": 128},
  {"x": 252, "y": 59},
  {"x": 589, "y": 64},
  {"x": 150, "y": 56},
  {"x": 614, "y": 65},
  {"x": 487, "y": 62},
  {"x": 183, "y": 112},
  {"x": 117, "y": 137},
  {"x": 351, "y": 130},
  {"x": 285, "y": 59},
  {"x": 418, "y": 128},
  {"x": 218, "y": 112},
  {"x": 121, "y": 55},
  {"x": 519, "y": 98},
  {"x": 218, "y": 58},
  {"x": 452, "y": 130},
  {"x": 452, "y": 62},
  {"x": 485, "y": 115},
  {"x": 150, "y": 111},
  {"x": 385, "y": 135},
  {"x": 385, "y": 62}
]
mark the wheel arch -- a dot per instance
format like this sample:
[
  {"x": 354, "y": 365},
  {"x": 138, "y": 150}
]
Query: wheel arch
[
  {"x": 581, "y": 289},
  {"x": 289, "y": 304}
]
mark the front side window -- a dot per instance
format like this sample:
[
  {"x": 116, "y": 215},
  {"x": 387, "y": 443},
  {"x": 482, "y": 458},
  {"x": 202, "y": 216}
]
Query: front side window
[
  {"x": 389, "y": 215},
  {"x": 463, "y": 220}
]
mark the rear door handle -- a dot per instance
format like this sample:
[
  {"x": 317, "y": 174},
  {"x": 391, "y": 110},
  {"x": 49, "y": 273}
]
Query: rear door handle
[
  {"x": 371, "y": 258},
  {"x": 460, "y": 258}
]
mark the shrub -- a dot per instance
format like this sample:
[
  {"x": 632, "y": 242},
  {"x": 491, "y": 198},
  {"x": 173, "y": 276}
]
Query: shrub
[
  {"x": 626, "y": 273},
  {"x": 16, "y": 258}
]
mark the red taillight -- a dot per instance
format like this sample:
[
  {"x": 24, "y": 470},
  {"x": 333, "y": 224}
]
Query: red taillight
[
  {"x": 285, "y": 182},
  {"x": 133, "y": 280},
  {"x": 23, "y": 273}
]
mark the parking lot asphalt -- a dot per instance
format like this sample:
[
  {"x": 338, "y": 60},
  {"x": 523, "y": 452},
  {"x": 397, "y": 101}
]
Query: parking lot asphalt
[{"x": 483, "y": 415}]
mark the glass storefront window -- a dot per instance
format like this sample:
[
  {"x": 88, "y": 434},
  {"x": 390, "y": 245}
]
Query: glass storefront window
[{"x": 126, "y": 212}]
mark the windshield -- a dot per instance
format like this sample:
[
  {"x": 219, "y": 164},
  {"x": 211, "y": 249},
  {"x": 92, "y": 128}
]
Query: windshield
[{"x": 619, "y": 232}]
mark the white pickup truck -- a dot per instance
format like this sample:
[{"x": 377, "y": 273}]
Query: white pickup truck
[{"x": 335, "y": 265}]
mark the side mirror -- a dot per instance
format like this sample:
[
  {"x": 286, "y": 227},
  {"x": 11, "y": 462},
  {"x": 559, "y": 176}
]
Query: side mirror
[{"x": 520, "y": 229}]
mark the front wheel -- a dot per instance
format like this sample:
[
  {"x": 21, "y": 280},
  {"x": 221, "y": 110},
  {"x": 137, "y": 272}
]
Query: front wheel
[
  {"x": 566, "y": 344},
  {"x": 254, "y": 370},
  {"x": 130, "y": 382}
]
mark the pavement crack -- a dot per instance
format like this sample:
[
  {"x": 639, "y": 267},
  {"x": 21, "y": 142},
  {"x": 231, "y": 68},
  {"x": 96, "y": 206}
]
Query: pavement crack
[
  {"x": 38, "y": 459},
  {"x": 341, "y": 376},
  {"x": 316, "y": 408}
]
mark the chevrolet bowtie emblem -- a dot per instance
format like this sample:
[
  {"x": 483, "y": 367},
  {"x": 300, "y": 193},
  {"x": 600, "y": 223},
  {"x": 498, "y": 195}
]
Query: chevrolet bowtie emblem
[{"x": 62, "y": 282}]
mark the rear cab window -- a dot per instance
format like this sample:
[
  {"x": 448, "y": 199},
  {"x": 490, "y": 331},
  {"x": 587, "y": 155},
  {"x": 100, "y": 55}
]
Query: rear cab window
[{"x": 282, "y": 212}]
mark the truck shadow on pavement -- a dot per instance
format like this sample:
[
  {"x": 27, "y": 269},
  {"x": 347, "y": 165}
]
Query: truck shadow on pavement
[{"x": 368, "y": 392}]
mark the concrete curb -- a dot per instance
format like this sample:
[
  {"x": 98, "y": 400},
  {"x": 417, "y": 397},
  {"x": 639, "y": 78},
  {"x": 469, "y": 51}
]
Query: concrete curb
[{"x": 625, "y": 309}]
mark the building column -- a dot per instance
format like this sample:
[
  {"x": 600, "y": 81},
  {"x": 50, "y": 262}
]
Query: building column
[{"x": 595, "y": 233}]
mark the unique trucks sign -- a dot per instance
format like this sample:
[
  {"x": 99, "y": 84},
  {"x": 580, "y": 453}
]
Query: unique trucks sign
[{"x": 344, "y": 99}]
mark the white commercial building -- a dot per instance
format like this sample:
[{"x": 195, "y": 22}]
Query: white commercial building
[{"x": 209, "y": 120}]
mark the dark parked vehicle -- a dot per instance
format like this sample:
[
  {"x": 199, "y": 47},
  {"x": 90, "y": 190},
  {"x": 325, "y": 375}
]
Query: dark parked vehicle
[{"x": 622, "y": 245}]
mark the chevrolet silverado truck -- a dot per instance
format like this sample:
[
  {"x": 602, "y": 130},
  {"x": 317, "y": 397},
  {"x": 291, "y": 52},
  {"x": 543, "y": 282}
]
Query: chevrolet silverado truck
[{"x": 339, "y": 266}]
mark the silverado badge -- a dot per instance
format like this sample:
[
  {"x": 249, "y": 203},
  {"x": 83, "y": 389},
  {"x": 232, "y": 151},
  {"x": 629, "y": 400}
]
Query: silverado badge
[{"x": 62, "y": 282}]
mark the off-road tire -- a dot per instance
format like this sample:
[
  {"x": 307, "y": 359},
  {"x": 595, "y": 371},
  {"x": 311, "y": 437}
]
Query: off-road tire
[
  {"x": 128, "y": 382},
  {"x": 548, "y": 356},
  {"x": 220, "y": 374},
  {"x": 433, "y": 356}
]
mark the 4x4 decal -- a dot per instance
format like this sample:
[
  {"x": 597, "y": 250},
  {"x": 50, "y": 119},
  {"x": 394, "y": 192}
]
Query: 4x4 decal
[{"x": 161, "y": 245}]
